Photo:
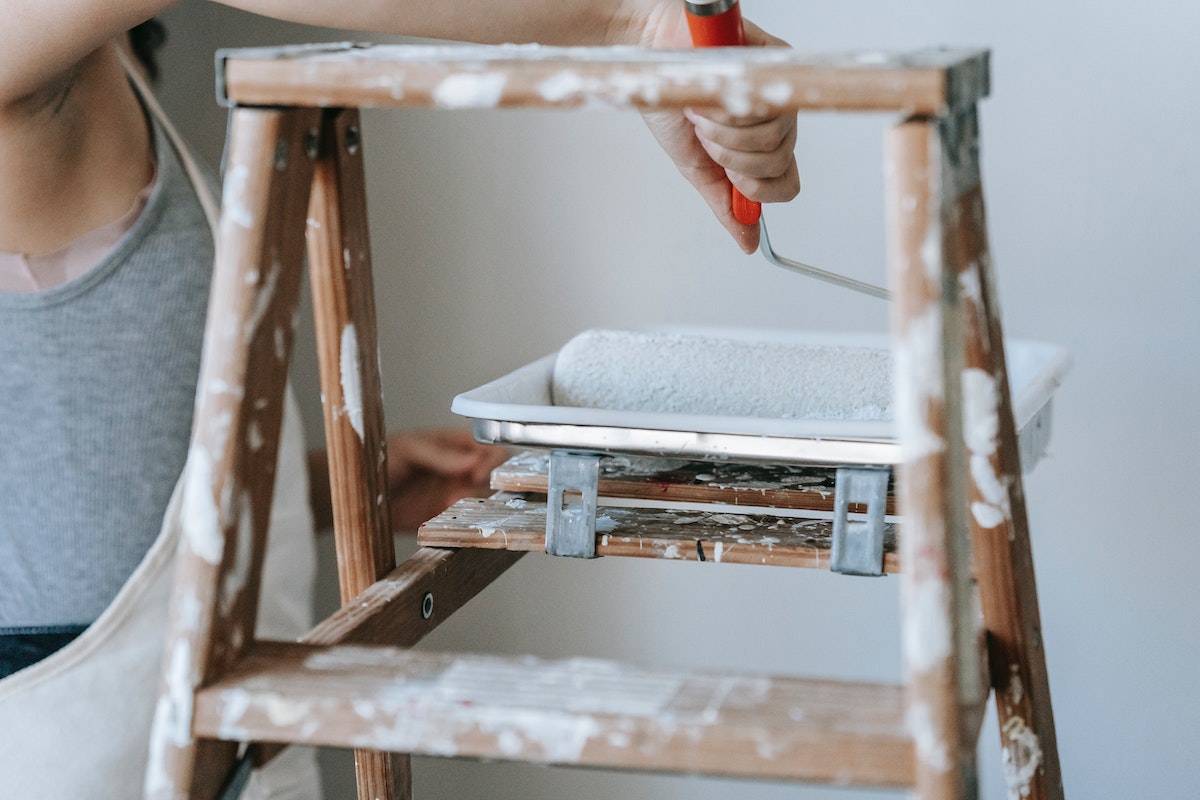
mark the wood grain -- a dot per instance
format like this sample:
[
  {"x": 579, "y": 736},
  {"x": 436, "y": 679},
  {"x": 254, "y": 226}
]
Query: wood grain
[
  {"x": 230, "y": 474},
  {"x": 339, "y": 258},
  {"x": 717, "y": 538},
  {"x": 390, "y": 611},
  {"x": 1000, "y": 524},
  {"x": 578, "y": 712},
  {"x": 793, "y": 487},
  {"x": 938, "y": 634},
  {"x": 748, "y": 80}
]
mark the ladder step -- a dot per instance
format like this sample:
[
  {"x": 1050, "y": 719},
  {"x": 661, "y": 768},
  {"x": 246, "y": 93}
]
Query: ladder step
[
  {"x": 520, "y": 524},
  {"x": 661, "y": 479},
  {"x": 572, "y": 712}
]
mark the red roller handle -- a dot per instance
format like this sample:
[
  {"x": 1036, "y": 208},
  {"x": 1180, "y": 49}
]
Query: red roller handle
[{"x": 718, "y": 23}]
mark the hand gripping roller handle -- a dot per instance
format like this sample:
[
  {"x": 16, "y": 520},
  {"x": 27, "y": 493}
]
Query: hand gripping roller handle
[{"x": 718, "y": 23}]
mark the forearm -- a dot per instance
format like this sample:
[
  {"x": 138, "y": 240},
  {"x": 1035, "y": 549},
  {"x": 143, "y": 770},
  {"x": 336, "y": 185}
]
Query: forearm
[
  {"x": 557, "y": 22},
  {"x": 42, "y": 40}
]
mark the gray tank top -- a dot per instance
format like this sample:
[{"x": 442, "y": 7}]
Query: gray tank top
[{"x": 97, "y": 387}]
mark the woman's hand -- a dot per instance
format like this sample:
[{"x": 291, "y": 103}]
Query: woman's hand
[
  {"x": 428, "y": 470},
  {"x": 713, "y": 148}
]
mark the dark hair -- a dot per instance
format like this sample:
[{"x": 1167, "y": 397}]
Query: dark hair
[{"x": 146, "y": 39}]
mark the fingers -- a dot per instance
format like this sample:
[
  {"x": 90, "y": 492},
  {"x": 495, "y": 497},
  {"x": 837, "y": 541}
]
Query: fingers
[
  {"x": 678, "y": 138},
  {"x": 450, "y": 453},
  {"x": 758, "y": 156},
  {"x": 757, "y": 37}
]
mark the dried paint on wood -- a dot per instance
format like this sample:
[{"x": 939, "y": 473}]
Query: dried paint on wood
[
  {"x": 802, "y": 488},
  {"x": 520, "y": 524},
  {"x": 576, "y": 711}
]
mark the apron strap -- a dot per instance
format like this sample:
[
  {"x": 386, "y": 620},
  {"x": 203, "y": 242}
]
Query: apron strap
[{"x": 199, "y": 184}]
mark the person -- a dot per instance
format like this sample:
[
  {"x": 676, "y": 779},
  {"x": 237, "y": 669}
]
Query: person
[{"x": 105, "y": 264}]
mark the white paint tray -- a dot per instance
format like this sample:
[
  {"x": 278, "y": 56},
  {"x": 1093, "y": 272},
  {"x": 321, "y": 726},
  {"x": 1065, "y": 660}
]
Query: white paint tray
[{"x": 518, "y": 409}]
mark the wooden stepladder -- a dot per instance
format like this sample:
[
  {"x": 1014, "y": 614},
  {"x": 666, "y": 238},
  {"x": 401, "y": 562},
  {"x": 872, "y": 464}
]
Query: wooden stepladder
[{"x": 295, "y": 171}]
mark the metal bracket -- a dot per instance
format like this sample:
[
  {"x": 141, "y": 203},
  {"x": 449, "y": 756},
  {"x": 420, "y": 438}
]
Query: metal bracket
[
  {"x": 571, "y": 526},
  {"x": 858, "y": 546}
]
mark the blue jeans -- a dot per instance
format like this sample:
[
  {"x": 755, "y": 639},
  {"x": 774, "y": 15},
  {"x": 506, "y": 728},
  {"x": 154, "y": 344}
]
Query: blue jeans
[{"x": 23, "y": 647}]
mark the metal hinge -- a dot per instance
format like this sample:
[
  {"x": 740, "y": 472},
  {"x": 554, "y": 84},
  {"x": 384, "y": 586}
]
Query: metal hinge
[
  {"x": 858, "y": 545},
  {"x": 571, "y": 505}
]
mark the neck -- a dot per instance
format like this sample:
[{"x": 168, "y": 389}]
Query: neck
[{"x": 73, "y": 157}]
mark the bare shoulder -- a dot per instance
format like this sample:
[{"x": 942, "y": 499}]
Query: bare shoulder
[
  {"x": 73, "y": 154},
  {"x": 43, "y": 42}
]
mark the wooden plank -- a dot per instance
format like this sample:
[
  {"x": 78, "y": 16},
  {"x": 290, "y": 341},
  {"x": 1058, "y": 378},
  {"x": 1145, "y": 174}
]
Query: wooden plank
[
  {"x": 519, "y": 524},
  {"x": 339, "y": 258},
  {"x": 741, "y": 81},
  {"x": 391, "y": 611},
  {"x": 941, "y": 659},
  {"x": 230, "y": 474},
  {"x": 578, "y": 712},
  {"x": 999, "y": 521},
  {"x": 644, "y": 478},
  {"x": 344, "y": 307}
]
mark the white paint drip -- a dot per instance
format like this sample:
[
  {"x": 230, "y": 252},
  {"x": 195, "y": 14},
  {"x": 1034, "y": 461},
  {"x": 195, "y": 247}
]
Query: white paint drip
[
  {"x": 262, "y": 303},
  {"x": 983, "y": 473},
  {"x": 189, "y": 611},
  {"x": 1021, "y": 757},
  {"x": 918, "y": 378},
  {"x": 981, "y": 422},
  {"x": 239, "y": 571},
  {"x": 470, "y": 90},
  {"x": 235, "y": 201},
  {"x": 736, "y": 98},
  {"x": 284, "y": 712},
  {"x": 987, "y": 515},
  {"x": 931, "y": 748},
  {"x": 1016, "y": 690},
  {"x": 254, "y": 436},
  {"x": 927, "y": 637},
  {"x": 234, "y": 705},
  {"x": 351, "y": 380},
  {"x": 218, "y": 386},
  {"x": 177, "y": 716},
  {"x": 777, "y": 92},
  {"x": 201, "y": 523},
  {"x": 969, "y": 287},
  {"x": 560, "y": 86},
  {"x": 605, "y": 523}
]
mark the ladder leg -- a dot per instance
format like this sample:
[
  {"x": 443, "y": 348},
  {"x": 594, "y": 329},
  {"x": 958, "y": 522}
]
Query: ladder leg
[
  {"x": 356, "y": 435},
  {"x": 942, "y": 658},
  {"x": 1000, "y": 526},
  {"x": 229, "y": 477}
]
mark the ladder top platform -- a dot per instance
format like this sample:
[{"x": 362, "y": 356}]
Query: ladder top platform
[{"x": 932, "y": 81}]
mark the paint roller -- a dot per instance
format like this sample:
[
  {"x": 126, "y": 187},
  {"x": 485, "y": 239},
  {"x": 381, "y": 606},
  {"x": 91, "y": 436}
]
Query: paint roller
[
  {"x": 681, "y": 372},
  {"x": 718, "y": 23}
]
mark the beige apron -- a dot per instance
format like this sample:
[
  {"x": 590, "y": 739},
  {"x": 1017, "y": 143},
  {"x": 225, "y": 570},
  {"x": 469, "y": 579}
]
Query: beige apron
[{"x": 77, "y": 724}]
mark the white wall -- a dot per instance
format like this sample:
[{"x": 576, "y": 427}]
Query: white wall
[{"x": 500, "y": 235}]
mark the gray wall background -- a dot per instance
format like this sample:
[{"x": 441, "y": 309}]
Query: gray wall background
[{"x": 497, "y": 236}]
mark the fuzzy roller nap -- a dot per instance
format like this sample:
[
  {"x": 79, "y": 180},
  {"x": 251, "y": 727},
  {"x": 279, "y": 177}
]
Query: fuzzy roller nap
[{"x": 696, "y": 374}]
